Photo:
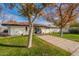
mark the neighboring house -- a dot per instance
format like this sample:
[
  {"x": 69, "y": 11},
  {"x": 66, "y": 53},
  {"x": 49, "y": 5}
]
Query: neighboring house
[{"x": 22, "y": 28}]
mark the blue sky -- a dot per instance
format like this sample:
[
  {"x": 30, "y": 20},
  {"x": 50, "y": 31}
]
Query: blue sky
[{"x": 14, "y": 15}]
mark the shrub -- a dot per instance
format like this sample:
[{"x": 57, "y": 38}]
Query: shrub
[{"x": 74, "y": 31}]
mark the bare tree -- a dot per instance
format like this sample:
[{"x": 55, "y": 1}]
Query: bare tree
[
  {"x": 32, "y": 11},
  {"x": 65, "y": 14}
]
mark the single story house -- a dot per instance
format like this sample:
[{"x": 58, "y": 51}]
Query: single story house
[{"x": 22, "y": 28}]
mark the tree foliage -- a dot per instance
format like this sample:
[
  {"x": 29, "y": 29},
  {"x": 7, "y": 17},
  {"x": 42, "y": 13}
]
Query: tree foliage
[
  {"x": 65, "y": 13},
  {"x": 32, "y": 11}
]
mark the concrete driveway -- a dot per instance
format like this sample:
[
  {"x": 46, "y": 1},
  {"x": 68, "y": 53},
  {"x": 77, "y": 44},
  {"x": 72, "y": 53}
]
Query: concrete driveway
[{"x": 65, "y": 44}]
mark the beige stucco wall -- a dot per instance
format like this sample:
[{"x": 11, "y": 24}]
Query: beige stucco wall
[
  {"x": 21, "y": 30},
  {"x": 49, "y": 30},
  {"x": 17, "y": 30}
]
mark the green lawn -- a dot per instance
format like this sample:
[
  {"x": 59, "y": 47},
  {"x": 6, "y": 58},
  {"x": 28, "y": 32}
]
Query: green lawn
[
  {"x": 74, "y": 37},
  {"x": 15, "y": 46}
]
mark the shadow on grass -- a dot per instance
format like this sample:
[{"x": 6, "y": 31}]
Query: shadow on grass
[{"x": 8, "y": 45}]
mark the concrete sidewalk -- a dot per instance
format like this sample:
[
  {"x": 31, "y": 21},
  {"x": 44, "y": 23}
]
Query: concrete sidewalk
[{"x": 65, "y": 44}]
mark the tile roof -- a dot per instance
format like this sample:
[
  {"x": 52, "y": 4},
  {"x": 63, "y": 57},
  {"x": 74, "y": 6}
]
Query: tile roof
[{"x": 14, "y": 23}]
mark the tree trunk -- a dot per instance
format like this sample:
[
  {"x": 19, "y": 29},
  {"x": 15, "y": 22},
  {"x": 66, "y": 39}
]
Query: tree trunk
[
  {"x": 61, "y": 32},
  {"x": 29, "y": 45}
]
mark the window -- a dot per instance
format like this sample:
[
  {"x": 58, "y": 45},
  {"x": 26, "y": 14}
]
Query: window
[{"x": 5, "y": 31}]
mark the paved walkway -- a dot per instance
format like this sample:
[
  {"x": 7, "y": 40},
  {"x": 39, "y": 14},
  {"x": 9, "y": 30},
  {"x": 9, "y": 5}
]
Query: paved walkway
[{"x": 65, "y": 44}]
